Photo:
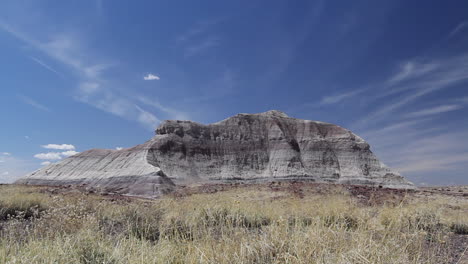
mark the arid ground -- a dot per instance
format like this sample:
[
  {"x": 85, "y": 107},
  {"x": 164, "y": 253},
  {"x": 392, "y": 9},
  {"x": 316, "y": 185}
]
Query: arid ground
[{"x": 282, "y": 222}]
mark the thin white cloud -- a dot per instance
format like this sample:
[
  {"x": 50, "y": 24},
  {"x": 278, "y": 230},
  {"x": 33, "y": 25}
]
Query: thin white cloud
[
  {"x": 46, "y": 66},
  {"x": 88, "y": 88},
  {"x": 434, "y": 110},
  {"x": 6, "y": 153},
  {"x": 423, "y": 81},
  {"x": 59, "y": 146},
  {"x": 151, "y": 77},
  {"x": 33, "y": 103},
  {"x": 57, "y": 155},
  {"x": 463, "y": 100},
  {"x": 197, "y": 48},
  {"x": 460, "y": 27},
  {"x": 69, "y": 153},
  {"x": 147, "y": 118},
  {"x": 428, "y": 163},
  {"x": 93, "y": 88},
  {"x": 439, "y": 151},
  {"x": 46, "y": 163},
  {"x": 48, "y": 156},
  {"x": 95, "y": 71},
  {"x": 416, "y": 147},
  {"x": 414, "y": 80},
  {"x": 199, "y": 29},
  {"x": 118, "y": 148},
  {"x": 333, "y": 99},
  {"x": 5, "y": 173},
  {"x": 173, "y": 113},
  {"x": 410, "y": 70}
]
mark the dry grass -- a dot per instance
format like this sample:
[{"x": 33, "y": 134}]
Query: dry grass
[{"x": 242, "y": 225}]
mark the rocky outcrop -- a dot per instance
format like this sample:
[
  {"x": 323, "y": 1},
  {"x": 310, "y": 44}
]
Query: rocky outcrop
[
  {"x": 125, "y": 171},
  {"x": 268, "y": 146}
]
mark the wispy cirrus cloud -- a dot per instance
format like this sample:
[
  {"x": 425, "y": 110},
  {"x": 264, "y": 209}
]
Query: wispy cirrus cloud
[
  {"x": 33, "y": 103},
  {"x": 434, "y": 110},
  {"x": 43, "y": 64},
  {"x": 172, "y": 113},
  {"x": 459, "y": 28},
  {"x": 414, "y": 82},
  {"x": 415, "y": 147},
  {"x": 198, "y": 38},
  {"x": 410, "y": 70},
  {"x": 198, "y": 29},
  {"x": 93, "y": 87},
  {"x": 399, "y": 111},
  {"x": 206, "y": 44},
  {"x": 336, "y": 98},
  {"x": 147, "y": 118}
]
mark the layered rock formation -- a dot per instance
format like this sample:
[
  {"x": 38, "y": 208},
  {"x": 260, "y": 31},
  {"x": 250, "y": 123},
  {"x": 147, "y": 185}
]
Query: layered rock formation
[{"x": 268, "y": 146}]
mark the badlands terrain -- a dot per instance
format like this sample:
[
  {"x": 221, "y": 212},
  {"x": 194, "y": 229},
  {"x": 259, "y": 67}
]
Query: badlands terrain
[
  {"x": 263, "y": 147},
  {"x": 253, "y": 188}
]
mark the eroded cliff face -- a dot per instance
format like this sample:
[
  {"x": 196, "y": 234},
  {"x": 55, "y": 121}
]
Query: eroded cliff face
[
  {"x": 268, "y": 146},
  {"x": 124, "y": 172}
]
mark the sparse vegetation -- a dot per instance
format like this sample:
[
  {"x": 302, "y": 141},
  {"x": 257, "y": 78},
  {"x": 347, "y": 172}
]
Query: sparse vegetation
[{"x": 254, "y": 224}]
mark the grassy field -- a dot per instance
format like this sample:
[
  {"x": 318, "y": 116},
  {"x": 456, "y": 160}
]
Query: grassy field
[{"x": 275, "y": 223}]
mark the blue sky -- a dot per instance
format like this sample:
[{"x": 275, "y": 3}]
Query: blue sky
[{"x": 76, "y": 75}]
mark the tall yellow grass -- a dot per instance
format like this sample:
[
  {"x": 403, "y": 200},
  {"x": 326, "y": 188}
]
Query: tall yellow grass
[{"x": 249, "y": 225}]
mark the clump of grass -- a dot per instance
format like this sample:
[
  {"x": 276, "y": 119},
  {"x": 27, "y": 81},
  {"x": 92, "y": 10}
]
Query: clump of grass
[
  {"x": 92, "y": 253},
  {"x": 341, "y": 221},
  {"x": 20, "y": 207},
  {"x": 459, "y": 228},
  {"x": 232, "y": 218}
]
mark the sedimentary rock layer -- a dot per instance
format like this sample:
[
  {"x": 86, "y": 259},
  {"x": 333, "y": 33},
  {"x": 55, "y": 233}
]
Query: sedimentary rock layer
[
  {"x": 124, "y": 171},
  {"x": 268, "y": 146}
]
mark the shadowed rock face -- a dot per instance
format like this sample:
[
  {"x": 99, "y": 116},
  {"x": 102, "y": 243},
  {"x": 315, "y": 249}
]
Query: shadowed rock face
[{"x": 268, "y": 146}]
